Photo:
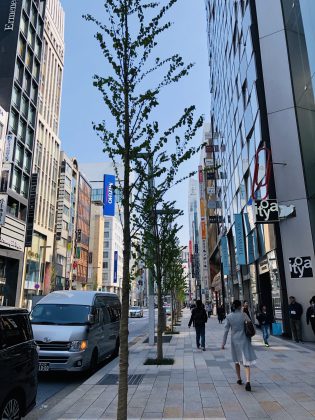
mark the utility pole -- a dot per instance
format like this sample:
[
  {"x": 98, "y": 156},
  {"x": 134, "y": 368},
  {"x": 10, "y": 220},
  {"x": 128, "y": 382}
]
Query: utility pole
[{"x": 150, "y": 274}]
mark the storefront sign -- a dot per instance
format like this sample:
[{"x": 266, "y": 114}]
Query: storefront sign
[
  {"x": 300, "y": 267},
  {"x": 225, "y": 256},
  {"x": 31, "y": 210},
  {"x": 3, "y": 208},
  {"x": 250, "y": 249},
  {"x": 9, "y": 26},
  {"x": 215, "y": 219},
  {"x": 214, "y": 204},
  {"x": 266, "y": 211},
  {"x": 109, "y": 195},
  {"x": 4, "y": 182},
  {"x": 200, "y": 174},
  {"x": 211, "y": 175},
  {"x": 240, "y": 243},
  {"x": 202, "y": 208},
  {"x": 115, "y": 265}
]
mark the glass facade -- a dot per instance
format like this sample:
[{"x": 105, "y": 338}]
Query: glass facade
[{"x": 236, "y": 124}]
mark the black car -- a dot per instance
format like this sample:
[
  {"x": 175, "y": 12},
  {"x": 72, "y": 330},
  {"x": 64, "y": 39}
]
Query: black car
[{"x": 18, "y": 363}]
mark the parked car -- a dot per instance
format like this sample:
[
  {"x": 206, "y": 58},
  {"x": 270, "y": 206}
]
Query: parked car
[
  {"x": 135, "y": 312},
  {"x": 75, "y": 330},
  {"x": 18, "y": 363}
]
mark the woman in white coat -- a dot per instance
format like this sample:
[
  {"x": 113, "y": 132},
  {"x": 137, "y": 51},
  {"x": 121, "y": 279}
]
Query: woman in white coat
[{"x": 241, "y": 346}]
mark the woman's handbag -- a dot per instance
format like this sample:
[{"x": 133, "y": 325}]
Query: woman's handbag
[{"x": 249, "y": 328}]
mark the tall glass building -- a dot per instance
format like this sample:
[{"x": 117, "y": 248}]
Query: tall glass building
[
  {"x": 21, "y": 40},
  {"x": 261, "y": 57}
]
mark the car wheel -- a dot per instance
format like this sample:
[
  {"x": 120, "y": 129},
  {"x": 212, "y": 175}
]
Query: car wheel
[
  {"x": 11, "y": 408},
  {"x": 94, "y": 361}
]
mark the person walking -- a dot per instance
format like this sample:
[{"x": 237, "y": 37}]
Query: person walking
[
  {"x": 221, "y": 314},
  {"x": 295, "y": 313},
  {"x": 198, "y": 319},
  {"x": 265, "y": 319},
  {"x": 310, "y": 314},
  {"x": 209, "y": 309},
  {"x": 241, "y": 346}
]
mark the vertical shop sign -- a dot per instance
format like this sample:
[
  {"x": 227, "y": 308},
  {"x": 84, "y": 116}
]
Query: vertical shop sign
[
  {"x": 225, "y": 256},
  {"x": 109, "y": 195},
  {"x": 31, "y": 211},
  {"x": 240, "y": 243},
  {"x": 3, "y": 208},
  {"x": 115, "y": 265}
]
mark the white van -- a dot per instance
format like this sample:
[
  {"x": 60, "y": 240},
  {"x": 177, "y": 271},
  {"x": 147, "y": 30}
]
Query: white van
[{"x": 75, "y": 330}]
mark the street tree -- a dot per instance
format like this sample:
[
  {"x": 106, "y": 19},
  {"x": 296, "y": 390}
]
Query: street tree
[{"x": 134, "y": 78}]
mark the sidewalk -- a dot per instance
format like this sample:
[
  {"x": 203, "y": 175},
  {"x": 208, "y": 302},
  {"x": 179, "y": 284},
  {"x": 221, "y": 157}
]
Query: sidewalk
[{"x": 201, "y": 385}]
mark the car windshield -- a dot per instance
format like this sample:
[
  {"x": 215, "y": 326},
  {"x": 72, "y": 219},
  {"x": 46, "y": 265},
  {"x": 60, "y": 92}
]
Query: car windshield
[
  {"x": 135, "y": 308},
  {"x": 58, "y": 314}
]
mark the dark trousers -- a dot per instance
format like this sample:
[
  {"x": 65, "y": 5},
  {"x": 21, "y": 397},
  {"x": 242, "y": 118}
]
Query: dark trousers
[
  {"x": 296, "y": 329},
  {"x": 200, "y": 333}
]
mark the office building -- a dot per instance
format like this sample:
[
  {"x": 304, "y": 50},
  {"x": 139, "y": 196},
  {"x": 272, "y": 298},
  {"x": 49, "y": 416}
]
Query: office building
[
  {"x": 39, "y": 256},
  {"x": 21, "y": 40},
  {"x": 261, "y": 59},
  {"x": 112, "y": 265}
]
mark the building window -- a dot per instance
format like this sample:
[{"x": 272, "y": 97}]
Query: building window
[
  {"x": 66, "y": 211},
  {"x": 107, "y": 225},
  {"x": 16, "y": 180},
  {"x": 21, "y": 48},
  {"x": 16, "y": 96},
  {"x": 24, "y": 106},
  {"x": 18, "y": 156},
  {"x": 29, "y": 138},
  {"x": 106, "y": 235},
  {"x": 24, "y": 186},
  {"x": 21, "y": 130},
  {"x": 106, "y": 244},
  {"x": 105, "y": 254},
  {"x": 13, "y": 123},
  {"x": 27, "y": 83}
]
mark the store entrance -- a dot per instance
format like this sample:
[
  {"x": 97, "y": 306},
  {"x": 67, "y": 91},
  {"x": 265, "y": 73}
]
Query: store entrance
[{"x": 265, "y": 296}]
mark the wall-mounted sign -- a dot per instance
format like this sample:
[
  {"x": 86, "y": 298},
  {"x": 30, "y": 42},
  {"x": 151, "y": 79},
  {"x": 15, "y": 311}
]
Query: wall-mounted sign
[
  {"x": 215, "y": 219},
  {"x": 9, "y": 26},
  {"x": 300, "y": 267},
  {"x": 3, "y": 208},
  {"x": 240, "y": 242},
  {"x": 214, "y": 204},
  {"x": 115, "y": 265},
  {"x": 8, "y": 149},
  {"x": 203, "y": 230},
  {"x": 31, "y": 210},
  {"x": 200, "y": 174},
  {"x": 109, "y": 195},
  {"x": 5, "y": 179},
  {"x": 209, "y": 162},
  {"x": 212, "y": 148},
  {"x": 211, "y": 190},
  {"x": 202, "y": 208},
  {"x": 266, "y": 211}
]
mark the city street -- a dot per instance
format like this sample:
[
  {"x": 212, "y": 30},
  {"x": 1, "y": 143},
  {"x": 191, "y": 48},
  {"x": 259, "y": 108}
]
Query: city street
[
  {"x": 201, "y": 384},
  {"x": 58, "y": 385}
]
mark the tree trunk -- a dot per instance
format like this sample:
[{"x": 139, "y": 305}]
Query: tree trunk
[
  {"x": 124, "y": 351},
  {"x": 160, "y": 317}
]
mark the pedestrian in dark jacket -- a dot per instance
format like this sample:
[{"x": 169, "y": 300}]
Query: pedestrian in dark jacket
[
  {"x": 198, "y": 319},
  {"x": 310, "y": 314},
  {"x": 295, "y": 313},
  {"x": 221, "y": 314},
  {"x": 265, "y": 320}
]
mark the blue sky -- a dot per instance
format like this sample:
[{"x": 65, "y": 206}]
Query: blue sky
[{"x": 81, "y": 102}]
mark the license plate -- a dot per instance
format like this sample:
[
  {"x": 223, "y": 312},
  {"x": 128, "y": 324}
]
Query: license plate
[{"x": 43, "y": 367}]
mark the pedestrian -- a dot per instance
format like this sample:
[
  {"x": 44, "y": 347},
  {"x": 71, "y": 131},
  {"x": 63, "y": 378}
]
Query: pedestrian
[
  {"x": 310, "y": 314},
  {"x": 208, "y": 309},
  {"x": 241, "y": 346},
  {"x": 265, "y": 320},
  {"x": 198, "y": 319},
  {"x": 246, "y": 309},
  {"x": 295, "y": 313},
  {"x": 221, "y": 314}
]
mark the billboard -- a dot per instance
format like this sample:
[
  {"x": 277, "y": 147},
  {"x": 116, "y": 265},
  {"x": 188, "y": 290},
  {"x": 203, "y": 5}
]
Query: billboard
[{"x": 109, "y": 195}]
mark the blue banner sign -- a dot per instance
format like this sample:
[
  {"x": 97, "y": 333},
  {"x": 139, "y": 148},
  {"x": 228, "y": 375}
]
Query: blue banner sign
[
  {"x": 109, "y": 195},
  {"x": 115, "y": 265},
  {"x": 225, "y": 256},
  {"x": 240, "y": 243}
]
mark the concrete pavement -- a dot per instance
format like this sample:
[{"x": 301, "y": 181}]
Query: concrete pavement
[{"x": 200, "y": 384}]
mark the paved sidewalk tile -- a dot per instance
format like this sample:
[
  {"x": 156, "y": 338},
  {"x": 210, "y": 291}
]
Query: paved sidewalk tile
[{"x": 202, "y": 384}]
